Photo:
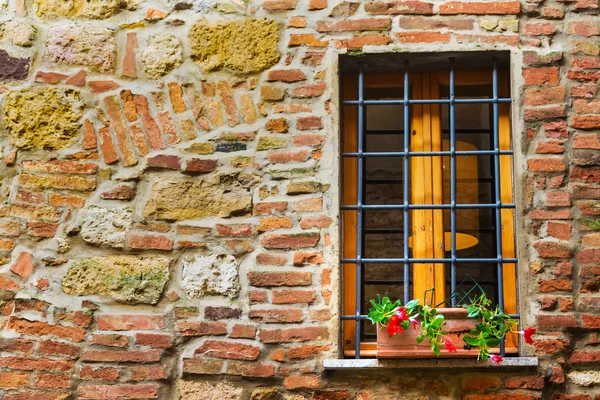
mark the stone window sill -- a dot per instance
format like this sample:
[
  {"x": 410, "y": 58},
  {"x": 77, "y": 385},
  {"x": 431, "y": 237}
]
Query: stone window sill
[{"x": 370, "y": 364}]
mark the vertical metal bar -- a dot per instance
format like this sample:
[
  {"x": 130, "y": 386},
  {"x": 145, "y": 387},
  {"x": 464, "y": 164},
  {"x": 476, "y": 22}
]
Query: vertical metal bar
[
  {"x": 359, "y": 211},
  {"x": 452, "y": 186},
  {"x": 406, "y": 183},
  {"x": 497, "y": 190}
]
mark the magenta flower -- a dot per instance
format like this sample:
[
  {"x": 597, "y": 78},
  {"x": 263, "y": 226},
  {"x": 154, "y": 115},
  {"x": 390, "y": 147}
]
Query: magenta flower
[
  {"x": 496, "y": 358},
  {"x": 527, "y": 333},
  {"x": 449, "y": 346},
  {"x": 394, "y": 326}
]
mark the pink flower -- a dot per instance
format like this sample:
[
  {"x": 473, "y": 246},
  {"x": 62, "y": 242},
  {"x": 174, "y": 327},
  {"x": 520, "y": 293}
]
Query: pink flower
[
  {"x": 449, "y": 346},
  {"x": 414, "y": 323},
  {"x": 527, "y": 333},
  {"x": 496, "y": 358},
  {"x": 394, "y": 325}
]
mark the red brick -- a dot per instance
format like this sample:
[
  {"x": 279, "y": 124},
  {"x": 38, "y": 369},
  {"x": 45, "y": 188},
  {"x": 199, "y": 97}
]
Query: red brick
[
  {"x": 240, "y": 331},
  {"x": 307, "y": 139},
  {"x": 279, "y": 5},
  {"x": 121, "y": 356},
  {"x": 553, "y": 249},
  {"x": 52, "y": 348},
  {"x": 155, "y": 340},
  {"x": 477, "y": 383},
  {"x": 539, "y": 113},
  {"x": 16, "y": 345},
  {"x": 293, "y": 335},
  {"x": 545, "y": 95},
  {"x": 546, "y": 164},
  {"x": 559, "y": 230},
  {"x": 216, "y": 313},
  {"x": 290, "y": 241},
  {"x": 13, "y": 380},
  {"x": 345, "y": 25},
  {"x": 538, "y": 29},
  {"x": 269, "y": 279},
  {"x": 588, "y": 256},
  {"x": 582, "y": 356},
  {"x": 66, "y": 200},
  {"x": 586, "y": 122},
  {"x": 202, "y": 366},
  {"x": 583, "y": 28},
  {"x": 289, "y": 75},
  {"x": 41, "y": 229},
  {"x": 541, "y": 76},
  {"x": 585, "y": 174},
  {"x": 110, "y": 340},
  {"x": 302, "y": 258},
  {"x": 309, "y": 123},
  {"x": 23, "y": 265},
  {"x": 250, "y": 369},
  {"x": 309, "y": 205},
  {"x": 288, "y": 156},
  {"x": 307, "y": 91},
  {"x": 554, "y": 322},
  {"x": 152, "y": 373},
  {"x": 257, "y": 296},
  {"x": 358, "y": 42},
  {"x": 423, "y": 37},
  {"x": 164, "y": 161},
  {"x": 199, "y": 328},
  {"x": 480, "y": 8},
  {"x": 200, "y": 166},
  {"x": 99, "y": 374},
  {"x": 304, "y": 352},
  {"x": 558, "y": 199},
  {"x": 301, "y": 382},
  {"x": 30, "y": 364},
  {"x": 114, "y": 322},
  {"x": 118, "y": 392},
  {"x": 556, "y": 130},
  {"x": 147, "y": 242},
  {"x": 53, "y": 381},
  {"x": 228, "y": 350},
  {"x": 293, "y": 296},
  {"x": 277, "y": 315},
  {"x": 270, "y": 207},
  {"x": 402, "y": 7},
  {"x": 550, "y": 147},
  {"x": 317, "y": 4},
  {"x": 548, "y": 286},
  {"x": 40, "y": 328},
  {"x": 321, "y": 221},
  {"x": 307, "y": 39}
]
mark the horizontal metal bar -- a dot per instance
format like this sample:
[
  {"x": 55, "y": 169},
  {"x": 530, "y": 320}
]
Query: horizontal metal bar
[
  {"x": 353, "y": 317},
  {"x": 382, "y": 282},
  {"x": 401, "y": 132},
  {"x": 438, "y": 101},
  {"x": 426, "y": 260},
  {"x": 426, "y": 206},
  {"x": 428, "y": 153}
]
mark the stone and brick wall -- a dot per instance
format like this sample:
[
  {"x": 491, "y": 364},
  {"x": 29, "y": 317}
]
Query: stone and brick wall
[{"x": 169, "y": 194}]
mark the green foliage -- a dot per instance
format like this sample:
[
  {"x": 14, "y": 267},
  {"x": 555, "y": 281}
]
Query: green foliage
[
  {"x": 591, "y": 223},
  {"x": 492, "y": 326}
]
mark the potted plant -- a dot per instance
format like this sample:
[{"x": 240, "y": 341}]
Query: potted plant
[{"x": 415, "y": 330}]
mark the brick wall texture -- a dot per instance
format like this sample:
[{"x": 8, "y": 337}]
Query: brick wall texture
[{"x": 169, "y": 194}]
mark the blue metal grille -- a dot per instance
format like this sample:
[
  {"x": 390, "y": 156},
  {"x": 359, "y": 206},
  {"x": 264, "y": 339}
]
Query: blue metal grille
[{"x": 361, "y": 155}]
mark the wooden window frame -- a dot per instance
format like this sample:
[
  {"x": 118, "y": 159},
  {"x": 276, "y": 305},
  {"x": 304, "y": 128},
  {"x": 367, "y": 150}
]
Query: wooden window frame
[{"x": 424, "y": 118}]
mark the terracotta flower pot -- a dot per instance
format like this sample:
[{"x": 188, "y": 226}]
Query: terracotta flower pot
[{"x": 404, "y": 344}]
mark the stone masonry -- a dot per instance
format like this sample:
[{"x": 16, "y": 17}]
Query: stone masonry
[{"x": 169, "y": 224}]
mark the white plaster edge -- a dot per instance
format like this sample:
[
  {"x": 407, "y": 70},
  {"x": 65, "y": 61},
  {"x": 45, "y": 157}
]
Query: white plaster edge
[{"x": 508, "y": 362}]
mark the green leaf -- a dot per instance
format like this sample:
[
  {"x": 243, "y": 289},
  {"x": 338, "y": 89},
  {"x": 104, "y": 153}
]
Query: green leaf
[
  {"x": 420, "y": 338},
  {"x": 473, "y": 341},
  {"x": 412, "y": 303},
  {"x": 492, "y": 342},
  {"x": 436, "y": 349}
]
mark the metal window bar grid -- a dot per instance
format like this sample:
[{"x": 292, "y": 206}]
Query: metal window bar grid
[{"x": 360, "y": 154}]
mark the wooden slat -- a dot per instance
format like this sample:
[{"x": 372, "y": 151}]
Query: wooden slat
[
  {"x": 350, "y": 197},
  {"x": 438, "y": 192},
  {"x": 509, "y": 271}
]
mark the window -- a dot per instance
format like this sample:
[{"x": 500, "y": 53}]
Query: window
[{"x": 427, "y": 180}]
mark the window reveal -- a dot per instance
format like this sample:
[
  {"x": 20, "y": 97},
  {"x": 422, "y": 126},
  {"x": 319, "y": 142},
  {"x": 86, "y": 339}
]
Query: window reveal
[{"x": 448, "y": 183}]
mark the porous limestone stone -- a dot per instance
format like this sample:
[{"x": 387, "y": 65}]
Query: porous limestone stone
[
  {"x": 193, "y": 390},
  {"x": 128, "y": 279},
  {"x": 161, "y": 55},
  {"x": 19, "y": 31},
  {"x": 89, "y": 45},
  {"x": 246, "y": 46},
  {"x": 211, "y": 275},
  {"x": 94, "y": 9},
  {"x": 221, "y": 195},
  {"x": 106, "y": 226},
  {"x": 266, "y": 394},
  {"x": 43, "y": 117},
  {"x": 585, "y": 378}
]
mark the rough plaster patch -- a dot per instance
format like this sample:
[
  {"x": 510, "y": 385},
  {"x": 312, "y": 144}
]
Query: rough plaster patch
[
  {"x": 211, "y": 275},
  {"x": 106, "y": 226},
  {"x": 161, "y": 55},
  {"x": 128, "y": 279},
  {"x": 192, "y": 390},
  {"x": 246, "y": 46},
  {"x": 42, "y": 117}
]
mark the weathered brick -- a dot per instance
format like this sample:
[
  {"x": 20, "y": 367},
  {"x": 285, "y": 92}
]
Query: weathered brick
[
  {"x": 228, "y": 350},
  {"x": 118, "y": 391},
  {"x": 293, "y": 335},
  {"x": 155, "y": 340},
  {"x": 122, "y": 356},
  {"x": 114, "y": 322},
  {"x": 268, "y": 279}
]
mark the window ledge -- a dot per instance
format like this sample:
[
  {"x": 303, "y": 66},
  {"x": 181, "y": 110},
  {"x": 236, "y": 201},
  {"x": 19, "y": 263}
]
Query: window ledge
[{"x": 509, "y": 362}]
